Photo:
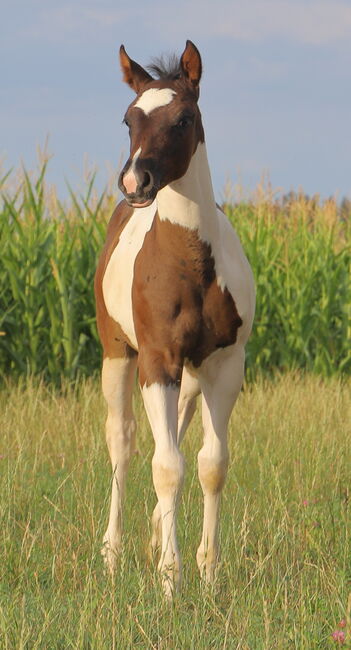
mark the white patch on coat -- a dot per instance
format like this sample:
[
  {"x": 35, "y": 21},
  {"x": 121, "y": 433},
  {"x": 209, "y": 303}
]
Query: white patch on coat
[
  {"x": 118, "y": 278},
  {"x": 154, "y": 98},
  {"x": 189, "y": 201}
]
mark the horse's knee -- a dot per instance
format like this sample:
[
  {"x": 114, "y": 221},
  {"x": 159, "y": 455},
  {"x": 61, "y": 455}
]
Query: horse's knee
[
  {"x": 168, "y": 473},
  {"x": 212, "y": 473},
  {"x": 120, "y": 437}
]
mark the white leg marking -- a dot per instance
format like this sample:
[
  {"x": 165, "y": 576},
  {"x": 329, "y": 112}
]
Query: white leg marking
[
  {"x": 189, "y": 390},
  {"x": 220, "y": 379},
  {"x": 117, "y": 385},
  {"x": 161, "y": 403}
]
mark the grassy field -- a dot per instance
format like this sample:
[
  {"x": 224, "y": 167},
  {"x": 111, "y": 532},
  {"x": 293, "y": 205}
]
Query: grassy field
[{"x": 285, "y": 571}]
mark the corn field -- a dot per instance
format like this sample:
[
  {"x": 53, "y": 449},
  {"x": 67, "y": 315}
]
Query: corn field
[{"x": 299, "y": 248}]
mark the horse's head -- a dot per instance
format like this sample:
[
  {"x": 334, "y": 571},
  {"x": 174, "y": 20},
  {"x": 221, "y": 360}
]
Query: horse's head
[{"x": 164, "y": 124}]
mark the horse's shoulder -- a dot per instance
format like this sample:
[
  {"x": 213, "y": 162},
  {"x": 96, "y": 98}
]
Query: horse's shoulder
[{"x": 118, "y": 221}]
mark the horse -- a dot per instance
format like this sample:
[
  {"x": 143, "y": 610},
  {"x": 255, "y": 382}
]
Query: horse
[{"x": 175, "y": 301}]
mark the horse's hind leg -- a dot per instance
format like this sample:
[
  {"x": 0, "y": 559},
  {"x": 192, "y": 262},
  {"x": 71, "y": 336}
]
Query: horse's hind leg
[
  {"x": 221, "y": 380},
  {"x": 117, "y": 385},
  {"x": 190, "y": 388}
]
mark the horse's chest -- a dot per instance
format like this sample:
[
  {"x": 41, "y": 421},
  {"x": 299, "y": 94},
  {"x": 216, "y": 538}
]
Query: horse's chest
[
  {"x": 119, "y": 274},
  {"x": 178, "y": 303}
]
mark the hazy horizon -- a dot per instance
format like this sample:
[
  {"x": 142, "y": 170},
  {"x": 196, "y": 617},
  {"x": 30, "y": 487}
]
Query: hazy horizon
[{"x": 275, "y": 92}]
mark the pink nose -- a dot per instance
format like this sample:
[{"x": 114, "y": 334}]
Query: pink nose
[{"x": 130, "y": 182}]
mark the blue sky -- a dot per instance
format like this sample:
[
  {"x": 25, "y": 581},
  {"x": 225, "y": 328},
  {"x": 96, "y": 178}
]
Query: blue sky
[{"x": 275, "y": 95}]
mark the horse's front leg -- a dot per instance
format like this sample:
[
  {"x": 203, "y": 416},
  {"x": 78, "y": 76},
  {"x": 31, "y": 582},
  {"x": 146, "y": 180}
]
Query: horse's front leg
[
  {"x": 161, "y": 404},
  {"x": 117, "y": 385},
  {"x": 186, "y": 408},
  {"x": 221, "y": 379}
]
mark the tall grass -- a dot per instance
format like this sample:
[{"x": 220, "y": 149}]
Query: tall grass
[
  {"x": 284, "y": 577},
  {"x": 48, "y": 257},
  {"x": 300, "y": 252}
]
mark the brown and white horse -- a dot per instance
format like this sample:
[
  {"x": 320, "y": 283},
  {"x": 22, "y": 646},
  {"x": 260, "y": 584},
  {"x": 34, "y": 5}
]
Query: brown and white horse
[{"x": 175, "y": 299}]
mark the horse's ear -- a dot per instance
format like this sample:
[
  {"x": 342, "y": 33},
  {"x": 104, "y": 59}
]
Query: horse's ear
[
  {"x": 191, "y": 65},
  {"x": 133, "y": 74}
]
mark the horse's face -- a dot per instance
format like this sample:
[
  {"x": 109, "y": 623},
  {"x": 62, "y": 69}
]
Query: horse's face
[{"x": 165, "y": 127}]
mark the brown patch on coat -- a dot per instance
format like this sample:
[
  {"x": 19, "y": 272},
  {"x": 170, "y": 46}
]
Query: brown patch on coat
[
  {"x": 114, "y": 341},
  {"x": 179, "y": 310}
]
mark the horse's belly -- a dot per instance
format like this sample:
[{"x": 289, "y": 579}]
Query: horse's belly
[{"x": 118, "y": 277}]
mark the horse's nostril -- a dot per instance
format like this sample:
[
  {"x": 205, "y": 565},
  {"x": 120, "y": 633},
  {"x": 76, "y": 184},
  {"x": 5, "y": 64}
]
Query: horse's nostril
[{"x": 147, "y": 181}]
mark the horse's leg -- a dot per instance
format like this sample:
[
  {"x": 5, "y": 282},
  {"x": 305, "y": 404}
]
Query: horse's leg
[
  {"x": 117, "y": 385},
  {"x": 221, "y": 379},
  {"x": 189, "y": 390},
  {"x": 161, "y": 403},
  {"x": 186, "y": 408}
]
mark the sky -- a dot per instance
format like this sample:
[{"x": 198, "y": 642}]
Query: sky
[{"x": 275, "y": 94}]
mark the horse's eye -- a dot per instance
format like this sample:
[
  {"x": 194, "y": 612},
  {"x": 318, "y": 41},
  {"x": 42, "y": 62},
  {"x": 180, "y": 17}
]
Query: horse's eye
[
  {"x": 184, "y": 122},
  {"x": 126, "y": 122}
]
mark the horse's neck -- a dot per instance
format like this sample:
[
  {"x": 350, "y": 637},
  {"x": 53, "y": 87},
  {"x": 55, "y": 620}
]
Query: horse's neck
[{"x": 190, "y": 201}]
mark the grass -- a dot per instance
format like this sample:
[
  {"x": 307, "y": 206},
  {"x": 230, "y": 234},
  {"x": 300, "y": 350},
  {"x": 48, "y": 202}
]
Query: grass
[{"x": 285, "y": 573}]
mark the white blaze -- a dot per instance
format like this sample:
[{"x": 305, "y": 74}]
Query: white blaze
[
  {"x": 129, "y": 179},
  {"x": 135, "y": 157},
  {"x": 154, "y": 98}
]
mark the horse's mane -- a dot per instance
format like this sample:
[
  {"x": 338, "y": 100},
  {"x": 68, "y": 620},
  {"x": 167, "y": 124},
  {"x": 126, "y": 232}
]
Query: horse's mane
[{"x": 166, "y": 67}]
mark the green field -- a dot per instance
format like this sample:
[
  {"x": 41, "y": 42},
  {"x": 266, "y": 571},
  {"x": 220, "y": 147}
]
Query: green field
[
  {"x": 299, "y": 249},
  {"x": 284, "y": 579}
]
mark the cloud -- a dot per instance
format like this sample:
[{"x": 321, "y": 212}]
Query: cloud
[
  {"x": 315, "y": 22},
  {"x": 77, "y": 21},
  {"x": 308, "y": 21}
]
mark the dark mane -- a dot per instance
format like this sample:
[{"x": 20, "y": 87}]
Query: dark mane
[{"x": 166, "y": 67}]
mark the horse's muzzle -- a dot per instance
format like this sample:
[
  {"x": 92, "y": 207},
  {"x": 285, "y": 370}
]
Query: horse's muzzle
[{"x": 138, "y": 192}]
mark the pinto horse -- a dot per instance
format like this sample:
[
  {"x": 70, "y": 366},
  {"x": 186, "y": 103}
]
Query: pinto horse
[{"x": 175, "y": 300}]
